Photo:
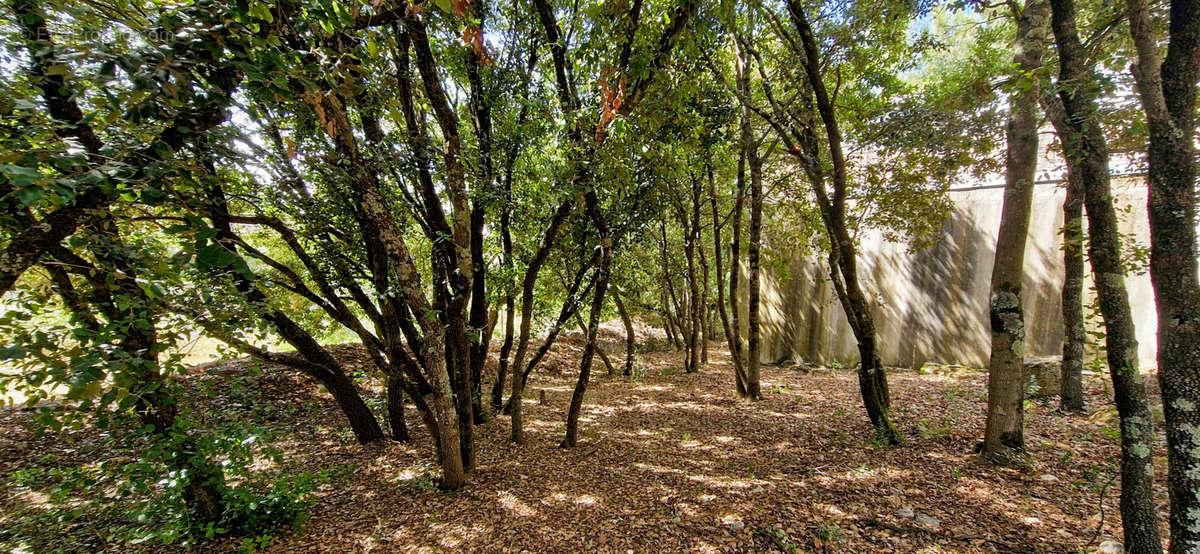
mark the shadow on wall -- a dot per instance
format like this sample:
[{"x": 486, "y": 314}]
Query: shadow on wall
[{"x": 931, "y": 304}]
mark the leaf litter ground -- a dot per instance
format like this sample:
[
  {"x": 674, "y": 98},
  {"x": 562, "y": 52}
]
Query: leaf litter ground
[{"x": 672, "y": 462}]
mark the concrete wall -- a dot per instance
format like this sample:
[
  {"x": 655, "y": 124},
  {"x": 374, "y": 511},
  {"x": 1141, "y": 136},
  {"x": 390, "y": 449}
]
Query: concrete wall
[{"x": 930, "y": 305}]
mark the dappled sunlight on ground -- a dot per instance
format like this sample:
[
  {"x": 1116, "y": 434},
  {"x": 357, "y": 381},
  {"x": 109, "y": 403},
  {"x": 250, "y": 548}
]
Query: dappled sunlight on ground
[{"x": 674, "y": 462}]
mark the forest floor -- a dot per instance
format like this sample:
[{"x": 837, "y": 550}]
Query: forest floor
[{"x": 669, "y": 462}]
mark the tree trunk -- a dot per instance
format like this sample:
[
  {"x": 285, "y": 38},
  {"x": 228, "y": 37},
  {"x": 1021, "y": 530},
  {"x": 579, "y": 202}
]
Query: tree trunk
[
  {"x": 697, "y": 231},
  {"x": 691, "y": 227},
  {"x": 608, "y": 365},
  {"x": 477, "y": 324},
  {"x": 395, "y": 409},
  {"x": 630, "y": 336},
  {"x": 505, "y": 351},
  {"x": 735, "y": 246},
  {"x": 722, "y": 309},
  {"x": 549, "y": 238},
  {"x": 1074, "y": 335},
  {"x": 330, "y": 374},
  {"x": 602, "y": 272},
  {"x": 673, "y": 306},
  {"x": 133, "y": 315},
  {"x": 570, "y": 306},
  {"x": 1004, "y": 429},
  {"x": 1168, "y": 93},
  {"x": 668, "y": 324},
  {"x": 1087, "y": 157},
  {"x": 454, "y": 472},
  {"x": 872, "y": 377},
  {"x": 481, "y": 112},
  {"x": 753, "y": 391},
  {"x": 735, "y": 270}
]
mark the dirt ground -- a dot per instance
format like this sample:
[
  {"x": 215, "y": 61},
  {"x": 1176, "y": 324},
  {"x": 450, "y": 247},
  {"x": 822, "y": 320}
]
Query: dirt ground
[{"x": 671, "y": 462}]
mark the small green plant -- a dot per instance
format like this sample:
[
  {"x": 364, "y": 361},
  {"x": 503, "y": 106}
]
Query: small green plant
[
  {"x": 1032, "y": 387},
  {"x": 930, "y": 430},
  {"x": 778, "y": 389},
  {"x": 687, "y": 437},
  {"x": 1111, "y": 433},
  {"x": 638, "y": 372},
  {"x": 778, "y": 537},
  {"x": 863, "y": 471},
  {"x": 251, "y": 545},
  {"x": 421, "y": 482},
  {"x": 829, "y": 532}
]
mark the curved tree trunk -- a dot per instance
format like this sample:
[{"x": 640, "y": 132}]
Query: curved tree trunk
[
  {"x": 602, "y": 273},
  {"x": 872, "y": 377},
  {"x": 328, "y": 372},
  {"x": 630, "y": 336},
  {"x": 549, "y": 238}
]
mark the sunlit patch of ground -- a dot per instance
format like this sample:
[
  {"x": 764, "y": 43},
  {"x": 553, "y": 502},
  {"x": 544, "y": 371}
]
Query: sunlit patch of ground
[{"x": 673, "y": 462}]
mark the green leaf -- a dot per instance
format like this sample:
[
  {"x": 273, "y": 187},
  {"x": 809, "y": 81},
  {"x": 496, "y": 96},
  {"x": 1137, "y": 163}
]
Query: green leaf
[
  {"x": 153, "y": 196},
  {"x": 30, "y": 195},
  {"x": 155, "y": 290},
  {"x": 214, "y": 255}
]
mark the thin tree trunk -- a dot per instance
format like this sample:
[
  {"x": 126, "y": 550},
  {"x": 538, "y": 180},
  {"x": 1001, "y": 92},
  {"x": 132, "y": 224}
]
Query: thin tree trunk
[
  {"x": 753, "y": 362},
  {"x": 608, "y": 365},
  {"x": 668, "y": 324},
  {"x": 735, "y": 270},
  {"x": 691, "y": 227},
  {"x": 1074, "y": 335},
  {"x": 673, "y": 305},
  {"x": 1168, "y": 93},
  {"x": 481, "y": 112},
  {"x": 602, "y": 273},
  {"x": 395, "y": 409},
  {"x": 722, "y": 309},
  {"x": 705, "y": 331},
  {"x": 549, "y": 238},
  {"x": 1004, "y": 429},
  {"x": 872, "y": 377},
  {"x": 506, "y": 201},
  {"x": 630, "y": 336}
]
